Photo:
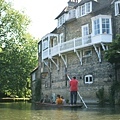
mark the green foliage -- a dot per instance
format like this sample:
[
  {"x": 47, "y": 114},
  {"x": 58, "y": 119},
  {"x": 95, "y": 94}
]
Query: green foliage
[
  {"x": 115, "y": 89},
  {"x": 18, "y": 51},
  {"x": 113, "y": 54},
  {"x": 101, "y": 96},
  {"x": 38, "y": 90}
]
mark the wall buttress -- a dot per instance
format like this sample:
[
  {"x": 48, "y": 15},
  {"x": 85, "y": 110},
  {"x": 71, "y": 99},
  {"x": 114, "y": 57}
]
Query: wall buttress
[
  {"x": 104, "y": 47},
  {"x": 47, "y": 65},
  {"x": 79, "y": 55},
  {"x": 64, "y": 58},
  {"x": 98, "y": 51},
  {"x": 55, "y": 63}
]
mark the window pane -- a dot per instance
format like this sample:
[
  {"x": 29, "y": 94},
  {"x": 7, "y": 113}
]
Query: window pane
[
  {"x": 83, "y": 9},
  {"x": 103, "y": 20},
  {"x": 105, "y": 25},
  {"x": 90, "y": 79},
  {"x": 86, "y": 79},
  {"x": 88, "y": 7},
  {"x": 119, "y": 8},
  {"x": 97, "y": 27}
]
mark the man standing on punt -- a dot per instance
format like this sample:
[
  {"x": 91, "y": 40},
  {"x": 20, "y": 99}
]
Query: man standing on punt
[{"x": 73, "y": 90}]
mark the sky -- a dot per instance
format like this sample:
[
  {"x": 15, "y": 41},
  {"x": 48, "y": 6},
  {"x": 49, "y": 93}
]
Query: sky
[{"x": 42, "y": 14}]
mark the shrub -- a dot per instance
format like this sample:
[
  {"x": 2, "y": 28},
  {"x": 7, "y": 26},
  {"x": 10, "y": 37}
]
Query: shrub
[{"x": 100, "y": 95}]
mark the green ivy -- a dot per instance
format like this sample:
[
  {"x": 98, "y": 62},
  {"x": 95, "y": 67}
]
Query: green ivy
[
  {"x": 38, "y": 90},
  {"x": 101, "y": 96}
]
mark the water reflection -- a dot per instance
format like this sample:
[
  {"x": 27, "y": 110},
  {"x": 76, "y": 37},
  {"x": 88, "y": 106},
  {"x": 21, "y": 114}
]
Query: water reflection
[{"x": 28, "y": 111}]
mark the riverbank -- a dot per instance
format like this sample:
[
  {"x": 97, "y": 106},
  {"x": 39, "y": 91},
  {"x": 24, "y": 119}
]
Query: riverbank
[{"x": 14, "y": 99}]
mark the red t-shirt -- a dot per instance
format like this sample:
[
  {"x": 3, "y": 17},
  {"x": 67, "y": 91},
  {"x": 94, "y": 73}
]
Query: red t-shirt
[{"x": 74, "y": 85}]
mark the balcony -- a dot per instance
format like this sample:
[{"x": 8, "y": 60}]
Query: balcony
[{"x": 76, "y": 43}]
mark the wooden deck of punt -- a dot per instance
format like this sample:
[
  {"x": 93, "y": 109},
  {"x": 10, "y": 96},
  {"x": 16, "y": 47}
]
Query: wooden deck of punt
[{"x": 58, "y": 106}]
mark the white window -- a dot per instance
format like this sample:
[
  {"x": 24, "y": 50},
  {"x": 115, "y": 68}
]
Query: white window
[
  {"x": 105, "y": 25},
  {"x": 54, "y": 41},
  {"x": 61, "y": 20},
  {"x": 78, "y": 11},
  {"x": 96, "y": 26},
  {"x": 88, "y": 79},
  {"x": 71, "y": 14},
  {"x": 88, "y": 7},
  {"x": 84, "y": 9},
  {"x": 85, "y": 34},
  {"x": 117, "y": 8},
  {"x": 101, "y": 24},
  {"x": 45, "y": 44},
  {"x": 61, "y": 38},
  {"x": 85, "y": 30}
]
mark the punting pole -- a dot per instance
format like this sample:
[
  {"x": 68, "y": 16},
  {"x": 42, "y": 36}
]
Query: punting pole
[{"x": 79, "y": 94}]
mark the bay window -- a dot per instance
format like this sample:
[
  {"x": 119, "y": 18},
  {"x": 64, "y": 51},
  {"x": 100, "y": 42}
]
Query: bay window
[
  {"x": 101, "y": 24},
  {"x": 45, "y": 44}
]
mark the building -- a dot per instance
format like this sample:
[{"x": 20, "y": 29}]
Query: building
[{"x": 76, "y": 47}]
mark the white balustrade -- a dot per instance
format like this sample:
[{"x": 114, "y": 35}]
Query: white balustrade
[{"x": 66, "y": 46}]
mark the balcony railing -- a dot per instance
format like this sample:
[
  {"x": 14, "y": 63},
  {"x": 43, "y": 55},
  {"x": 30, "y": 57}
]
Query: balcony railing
[
  {"x": 66, "y": 46},
  {"x": 73, "y": 44}
]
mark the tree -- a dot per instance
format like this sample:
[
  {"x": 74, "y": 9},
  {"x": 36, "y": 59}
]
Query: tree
[
  {"x": 18, "y": 50},
  {"x": 113, "y": 56}
]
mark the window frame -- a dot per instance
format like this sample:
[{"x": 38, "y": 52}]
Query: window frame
[
  {"x": 85, "y": 29},
  {"x": 117, "y": 8},
  {"x": 83, "y": 9},
  {"x": 105, "y": 25},
  {"x": 100, "y": 17},
  {"x": 89, "y": 77},
  {"x": 88, "y": 8},
  {"x": 61, "y": 38},
  {"x": 61, "y": 20},
  {"x": 97, "y": 26},
  {"x": 45, "y": 44},
  {"x": 71, "y": 14}
]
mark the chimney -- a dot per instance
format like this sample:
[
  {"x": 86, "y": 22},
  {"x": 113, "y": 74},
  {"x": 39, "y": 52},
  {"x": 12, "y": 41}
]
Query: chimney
[{"x": 72, "y": 2}]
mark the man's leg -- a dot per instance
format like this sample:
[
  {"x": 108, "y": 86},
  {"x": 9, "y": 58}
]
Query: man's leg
[
  {"x": 75, "y": 97},
  {"x": 71, "y": 97}
]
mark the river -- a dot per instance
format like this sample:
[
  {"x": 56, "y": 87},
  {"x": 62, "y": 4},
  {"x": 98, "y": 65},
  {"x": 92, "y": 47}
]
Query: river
[{"x": 27, "y": 111}]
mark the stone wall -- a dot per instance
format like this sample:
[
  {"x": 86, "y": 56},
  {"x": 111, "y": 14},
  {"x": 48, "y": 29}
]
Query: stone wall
[{"x": 101, "y": 76}]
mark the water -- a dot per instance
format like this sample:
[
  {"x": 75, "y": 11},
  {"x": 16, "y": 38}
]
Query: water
[{"x": 27, "y": 111}]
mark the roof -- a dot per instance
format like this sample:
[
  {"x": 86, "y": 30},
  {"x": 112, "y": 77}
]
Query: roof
[
  {"x": 83, "y": 2},
  {"x": 64, "y": 11}
]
